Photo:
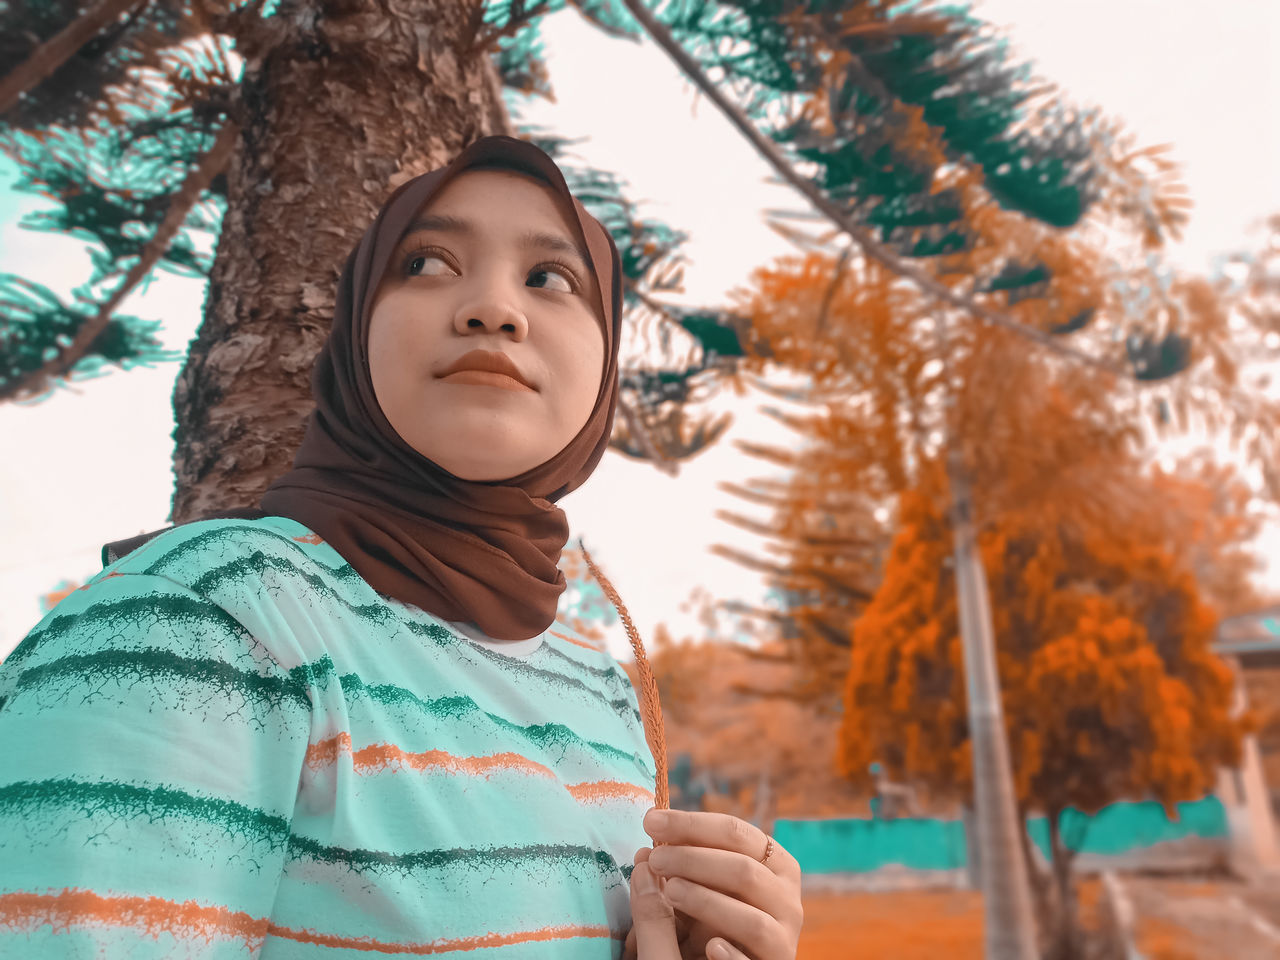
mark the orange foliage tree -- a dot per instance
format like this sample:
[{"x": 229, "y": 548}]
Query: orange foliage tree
[
  {"x": 1031, "y": 426},
  {"x": 1059, "y": 460},
  {"x": 1110, "y": 688},
  {"x": 894, "y": 393},
  {"x": 908, "y": 379}
]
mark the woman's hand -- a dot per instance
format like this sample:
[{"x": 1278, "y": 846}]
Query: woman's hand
[{"x": 722, "y": 895}]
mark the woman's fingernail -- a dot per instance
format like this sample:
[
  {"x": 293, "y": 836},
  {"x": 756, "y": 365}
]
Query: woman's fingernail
[{"x": 716, "y": 951}]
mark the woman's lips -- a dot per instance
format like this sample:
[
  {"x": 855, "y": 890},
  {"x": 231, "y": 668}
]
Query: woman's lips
[{"x": 486, "y": 378}]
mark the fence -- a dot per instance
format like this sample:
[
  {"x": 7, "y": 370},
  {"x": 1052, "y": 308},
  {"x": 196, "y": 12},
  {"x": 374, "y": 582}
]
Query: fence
[{"x": 921, "y": 851}]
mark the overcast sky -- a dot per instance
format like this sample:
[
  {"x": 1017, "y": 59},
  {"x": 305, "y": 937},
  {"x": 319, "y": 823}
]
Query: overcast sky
[{"x": 93, "y": 463}]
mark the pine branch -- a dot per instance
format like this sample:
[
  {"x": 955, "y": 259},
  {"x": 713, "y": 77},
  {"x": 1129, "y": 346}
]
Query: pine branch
[
  {"x": 188, "y": 195},
  {"x": 776, "y": 571},
  {"x": 487, "y": 39},
  {"x": 60, "y": 48},
  {"x": 787, "y": 490},
  {"x": 645, "y": 439},
  {"x": 794, "y": 395},
  {"x": 760, "y": 613},
  {"x": 754, "y": 496},
  {"x": 862, "y": 237},
  {"x": 816, "y": 540},
  {"x": 776, "y": 455},
  {"x": 767, "y": 656},
  {"x": 792, "y": 574},
  {"x": 795, "y": 696},
  {"x": 831, "y": 288},
  {"x": 836, "y": 637}
]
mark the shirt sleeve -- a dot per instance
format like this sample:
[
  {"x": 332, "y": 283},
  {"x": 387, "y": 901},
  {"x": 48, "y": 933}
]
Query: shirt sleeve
[{"x": 152, "y": 748}]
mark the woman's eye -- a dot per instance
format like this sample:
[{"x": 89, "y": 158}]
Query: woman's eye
[
  {"x": 417, "y": 261},
  {"x": 545, "y": 271}
]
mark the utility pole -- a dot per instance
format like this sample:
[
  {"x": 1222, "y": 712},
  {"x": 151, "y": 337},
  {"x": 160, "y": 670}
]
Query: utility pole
[{"x": 1009, "y": 927}]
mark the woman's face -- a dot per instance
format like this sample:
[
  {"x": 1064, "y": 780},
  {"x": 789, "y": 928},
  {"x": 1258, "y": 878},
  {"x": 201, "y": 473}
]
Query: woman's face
[{"x": 448, "y": 291}]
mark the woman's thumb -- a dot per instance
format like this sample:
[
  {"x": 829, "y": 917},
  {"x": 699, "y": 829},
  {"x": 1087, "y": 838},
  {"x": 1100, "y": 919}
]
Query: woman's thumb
[{"x": 652, "y": 917}]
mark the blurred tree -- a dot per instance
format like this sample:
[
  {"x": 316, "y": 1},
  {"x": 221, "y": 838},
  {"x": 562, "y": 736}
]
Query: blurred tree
[
  {"x": 1096, "y": 612},
  {"x": 895, "y": 395},
  {"x": 889, "y": 396},
  {"x": 907, "y": 381},
  {"x": 1218, "y": 522},
  {"x": 827, "y": 561}
]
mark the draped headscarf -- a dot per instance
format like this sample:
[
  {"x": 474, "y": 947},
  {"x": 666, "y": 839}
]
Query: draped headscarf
[{"x": 484, "y": 552}]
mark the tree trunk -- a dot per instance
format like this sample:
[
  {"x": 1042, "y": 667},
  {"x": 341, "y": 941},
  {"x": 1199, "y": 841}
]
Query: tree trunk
[
  {"x": 1039, "y": 882},
  {"x": 1009, "y": 930},
  {"x": 1066, "y": 944},
  {"x": 336, "y": 111}
]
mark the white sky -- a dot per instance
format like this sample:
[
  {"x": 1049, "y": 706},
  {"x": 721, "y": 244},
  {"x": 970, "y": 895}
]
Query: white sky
[{"x": 93, "y": 463}]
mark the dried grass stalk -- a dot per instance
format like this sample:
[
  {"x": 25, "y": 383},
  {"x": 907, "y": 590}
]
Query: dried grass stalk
[{"x": 650, "y": 708}]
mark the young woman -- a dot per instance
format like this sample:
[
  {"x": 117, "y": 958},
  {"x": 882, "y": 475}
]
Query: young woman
[{"x": 341, "y": 724}]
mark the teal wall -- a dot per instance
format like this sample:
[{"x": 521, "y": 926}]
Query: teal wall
[{"x": 860, "y": 846}]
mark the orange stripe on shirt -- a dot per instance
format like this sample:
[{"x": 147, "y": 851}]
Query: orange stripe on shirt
[
  {"x": 445, "y": 946},
  {"x": 385, "y": 756},
  {"x": 602, "y": 791},
  {"x": 581, "y": 643},
  {"x": 71, "y": 907},
  {"x": 154, "y": 915},
  {"x": 380, "y": 757}
]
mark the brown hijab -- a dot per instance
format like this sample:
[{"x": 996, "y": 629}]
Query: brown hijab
[{"x": 482, "y": 552}]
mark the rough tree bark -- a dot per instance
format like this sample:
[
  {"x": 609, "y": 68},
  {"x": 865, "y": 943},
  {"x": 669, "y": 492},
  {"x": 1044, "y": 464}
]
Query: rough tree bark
[{"x": 339, "y": 105}]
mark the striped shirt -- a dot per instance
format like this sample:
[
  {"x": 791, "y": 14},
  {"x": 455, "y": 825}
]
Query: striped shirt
[{"x": 228, "y": 745}]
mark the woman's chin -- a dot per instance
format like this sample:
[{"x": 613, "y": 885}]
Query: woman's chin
[
  {"x": 484, "y": 449},
  {"x": 489, "y": 469}
]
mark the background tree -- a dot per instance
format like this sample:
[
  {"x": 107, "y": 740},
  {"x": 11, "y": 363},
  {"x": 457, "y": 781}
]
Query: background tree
[
  {"x": 894, "y": 395},
  {"x": 1096, "y": 612}
]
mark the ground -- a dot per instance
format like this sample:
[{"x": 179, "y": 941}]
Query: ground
[
  {"x": 1190, "y": 920},
  {"x": 1176, "y": 920}
]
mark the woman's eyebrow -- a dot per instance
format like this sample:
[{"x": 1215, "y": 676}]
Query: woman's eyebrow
[{"x": 529, "y": 240}]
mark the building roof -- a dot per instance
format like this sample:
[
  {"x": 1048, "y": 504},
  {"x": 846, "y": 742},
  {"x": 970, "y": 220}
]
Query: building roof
[{"x": 1252, "y": 637}]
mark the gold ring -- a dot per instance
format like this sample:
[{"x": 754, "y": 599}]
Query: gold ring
[{"x": 768, "y": 849}]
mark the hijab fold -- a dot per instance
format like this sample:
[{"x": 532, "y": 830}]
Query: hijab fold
[{"x": 480, "y": 552}]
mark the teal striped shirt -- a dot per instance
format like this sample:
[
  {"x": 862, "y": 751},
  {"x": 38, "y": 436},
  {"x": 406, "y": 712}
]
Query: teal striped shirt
[{"x": 228, "y": 745}]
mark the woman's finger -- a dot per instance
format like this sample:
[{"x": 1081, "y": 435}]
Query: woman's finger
[
  {"x": 762, "y": 935},
  {"x": 731, "y": 873},
  {"x": 718, "y": 949},
  {"x": 652, "y": 918}
]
